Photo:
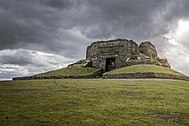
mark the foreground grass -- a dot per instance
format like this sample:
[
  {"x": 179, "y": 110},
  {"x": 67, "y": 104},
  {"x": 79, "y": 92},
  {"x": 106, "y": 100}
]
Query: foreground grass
[
  {"x": 96, "y": 102},
  {"x": 145, "y": 68},
  {"x": 72, "y": 70}
]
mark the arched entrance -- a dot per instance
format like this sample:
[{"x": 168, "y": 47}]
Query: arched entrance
[{"x": 110, "y": 64}]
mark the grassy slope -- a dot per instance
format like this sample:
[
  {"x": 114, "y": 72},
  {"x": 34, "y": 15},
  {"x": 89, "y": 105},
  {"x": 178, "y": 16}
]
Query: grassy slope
[
  {"x": 72, "y": 70},
  {"x": 145, "y": 68},
  {"x": 94, "y": 102}
]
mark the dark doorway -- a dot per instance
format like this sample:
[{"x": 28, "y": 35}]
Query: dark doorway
[{"x": 110, "y": 64}]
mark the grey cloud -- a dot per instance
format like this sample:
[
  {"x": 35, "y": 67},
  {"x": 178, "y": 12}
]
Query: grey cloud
[
  {"x": 23, "y": 57},
  {"x": 122, "y": 18},
  {"x": 58, "y": 4},
  {"x": 16, "y": 57},
  {"x": 66, "y": 27},
  {"x": 44, "y": 24},
  {"x": 25, "y": 23},
  {"x": 24, "y": 62},
  {"x": 140, "y": 20},
  {"x": 8, "y": 75}
]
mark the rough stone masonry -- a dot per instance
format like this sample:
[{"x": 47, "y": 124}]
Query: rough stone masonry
[{"x": 113, "y": 54}]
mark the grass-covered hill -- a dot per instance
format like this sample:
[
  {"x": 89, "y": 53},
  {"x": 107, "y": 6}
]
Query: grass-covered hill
[
  {"x": 73, "y": 71},
  {"x": 135, "y": 71},
  {"x": 145, "y": 68},
  {"x": 70, "y": 70},
  {"x": 94, "y": 102}
]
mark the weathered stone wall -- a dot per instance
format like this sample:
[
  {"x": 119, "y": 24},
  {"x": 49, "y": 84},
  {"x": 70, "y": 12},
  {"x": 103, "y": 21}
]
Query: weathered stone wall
[
  {"x": 164, "y": 62},
  {"x": 145, "y": 75},
  {"x": 120, "y": 49},
  {"x": 126, "y": 53},
  {"x": 148, "y": 49}
]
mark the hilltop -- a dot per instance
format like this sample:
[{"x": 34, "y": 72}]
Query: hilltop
[
  {"x": 145, "y": 71},
  {"x": 119, "y": 58}
]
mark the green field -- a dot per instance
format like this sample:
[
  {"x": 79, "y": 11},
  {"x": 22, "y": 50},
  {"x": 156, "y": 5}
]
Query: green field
[
  {"x": 94, "y": 102},
  {"x": 72, "y": 70},
  {"x": 142, "y": 68}
]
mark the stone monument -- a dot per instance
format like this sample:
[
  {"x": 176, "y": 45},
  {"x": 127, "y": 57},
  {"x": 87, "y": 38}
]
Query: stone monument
[{"x": 119, "y": 53}]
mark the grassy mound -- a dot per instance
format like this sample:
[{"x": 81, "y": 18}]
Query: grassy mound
[
  {"x": 143, "y": 68},
  {"x": 71, "y": 70}
]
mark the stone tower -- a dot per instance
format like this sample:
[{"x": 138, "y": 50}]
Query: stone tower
[{"x": 118, "y": 53}]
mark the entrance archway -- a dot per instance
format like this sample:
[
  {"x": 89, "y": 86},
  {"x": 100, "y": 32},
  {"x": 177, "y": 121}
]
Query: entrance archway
[{"x": 110, "y": 64}]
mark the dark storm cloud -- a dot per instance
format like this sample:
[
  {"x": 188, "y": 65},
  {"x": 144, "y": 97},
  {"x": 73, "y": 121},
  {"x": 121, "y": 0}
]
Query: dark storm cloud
[
  {"x": 66, "y": 27},
  {"x": 58, "y": 4},
  {"x": 140, "y": 20},
  {"x": 122, "y": 18},
  {"x": 31, "y": 24},
  {"x": 45, "y": 24}
]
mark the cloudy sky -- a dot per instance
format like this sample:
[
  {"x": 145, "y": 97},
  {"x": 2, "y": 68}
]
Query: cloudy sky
[{"x": 42, "y": 35}]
